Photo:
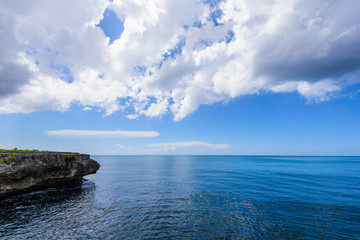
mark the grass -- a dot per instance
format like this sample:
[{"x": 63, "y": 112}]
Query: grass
[
  {"x": 20, "y": 150},
  {"x": 4, "y": 155},
  {"x": 8, "y": 154},
  {"x": 23, "y": 151}
]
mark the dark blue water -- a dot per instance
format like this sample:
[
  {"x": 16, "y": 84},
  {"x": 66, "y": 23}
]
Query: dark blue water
[{"x": 196, "y": 197}]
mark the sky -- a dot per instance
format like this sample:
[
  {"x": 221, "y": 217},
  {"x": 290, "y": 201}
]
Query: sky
[{"x": 245, "y": 77}]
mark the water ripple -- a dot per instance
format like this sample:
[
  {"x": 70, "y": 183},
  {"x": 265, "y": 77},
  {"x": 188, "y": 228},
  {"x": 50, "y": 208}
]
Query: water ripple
[{"x": 196, "y": 197}]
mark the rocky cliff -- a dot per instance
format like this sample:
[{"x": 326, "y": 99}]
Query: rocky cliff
[{"x": 23, "y": 171}]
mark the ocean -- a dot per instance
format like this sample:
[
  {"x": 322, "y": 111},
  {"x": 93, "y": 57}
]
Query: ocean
[{"x": 196, "y": 197}]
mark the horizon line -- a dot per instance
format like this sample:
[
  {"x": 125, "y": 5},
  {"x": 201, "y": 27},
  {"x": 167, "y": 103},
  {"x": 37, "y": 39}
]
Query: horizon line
[{"x": 244, "y": 155}]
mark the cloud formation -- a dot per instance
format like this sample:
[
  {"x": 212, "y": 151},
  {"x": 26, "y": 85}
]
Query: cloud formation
[
  {"x": 101, "y": 134},
  {"x": 174, "y": 145},
  {"x": 124, "y": 148},
  {"x": 173, "y": 56}
]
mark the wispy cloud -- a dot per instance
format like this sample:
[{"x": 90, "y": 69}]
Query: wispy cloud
[
  {"x": 102, "y": 134},
  {"x": 132, "y": 116},
  {"x": 175, "y": 145},
  {"x": 123, "y": 147}
]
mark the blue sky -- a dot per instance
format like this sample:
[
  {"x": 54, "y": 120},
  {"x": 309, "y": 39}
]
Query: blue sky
[
  {"x": 195, "y": 77},
  {"x": 265, "y": 124}
]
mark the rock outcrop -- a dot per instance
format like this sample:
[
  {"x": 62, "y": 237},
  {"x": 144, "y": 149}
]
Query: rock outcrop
[{"x": 22, "y": 172}]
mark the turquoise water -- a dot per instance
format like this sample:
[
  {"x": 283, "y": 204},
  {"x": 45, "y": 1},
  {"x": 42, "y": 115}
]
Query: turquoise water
[{"x": 196, "y": 197}]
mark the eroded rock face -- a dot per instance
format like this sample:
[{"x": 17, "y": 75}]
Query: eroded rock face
[{"x": 24, "y": 172}]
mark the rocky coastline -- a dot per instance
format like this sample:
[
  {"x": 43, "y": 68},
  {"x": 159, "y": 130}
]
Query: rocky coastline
[{"x": 24, "y": 171}]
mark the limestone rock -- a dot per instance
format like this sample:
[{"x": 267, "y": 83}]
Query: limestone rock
[{"x": 28, "y": 171}]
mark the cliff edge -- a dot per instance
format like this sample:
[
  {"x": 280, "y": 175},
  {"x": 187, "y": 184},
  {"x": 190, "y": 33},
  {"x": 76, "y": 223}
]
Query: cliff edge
[{"x": 22, "y": 171}]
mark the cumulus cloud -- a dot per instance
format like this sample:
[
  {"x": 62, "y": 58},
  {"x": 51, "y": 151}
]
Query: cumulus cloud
[
  {"x": 101, "y": 134},
  {"x": 174, "y": 145},
  {"x": 13, "y": 72},
  {"x": 173, "y": 56},
  {"x": 12, "y": 77}
]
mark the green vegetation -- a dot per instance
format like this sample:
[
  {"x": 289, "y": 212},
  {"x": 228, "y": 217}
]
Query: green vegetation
[
  {"x": 23, "y": 151},
  {"x": 8, "y": 154},
  {"x": 20, "y": 150}
]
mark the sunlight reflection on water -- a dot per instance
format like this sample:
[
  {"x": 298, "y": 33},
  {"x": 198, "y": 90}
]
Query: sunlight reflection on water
[{"x": 196, "y": 197}]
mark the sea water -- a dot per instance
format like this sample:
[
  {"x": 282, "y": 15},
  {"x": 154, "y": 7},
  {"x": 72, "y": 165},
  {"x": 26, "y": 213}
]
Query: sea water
[{"x": 196, "y": 197}]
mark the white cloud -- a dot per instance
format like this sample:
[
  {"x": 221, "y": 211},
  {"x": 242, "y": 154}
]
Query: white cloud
[
  {"x": 124, "y": 148},
  {"x": 174, "y": 145},
  {"x": 157, "y": 109},
  {"x": 87, "y": 109},
  {"x": 120, "y": 146},
  {"x": 173, "y": 55},
  {"x": 101, "y": 134},
  {"x": 132, "y": 116},
  {"x": 320, "y": 90}
]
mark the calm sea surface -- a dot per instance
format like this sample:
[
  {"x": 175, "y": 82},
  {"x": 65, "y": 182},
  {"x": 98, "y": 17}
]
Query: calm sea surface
[{"x": 196, "y": 197}]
